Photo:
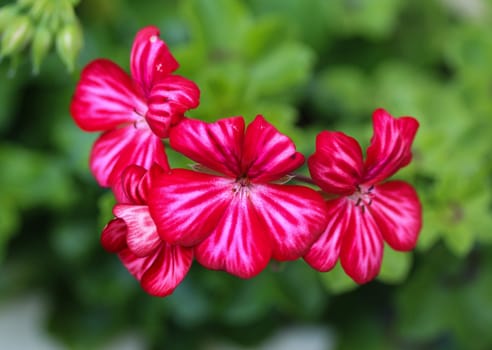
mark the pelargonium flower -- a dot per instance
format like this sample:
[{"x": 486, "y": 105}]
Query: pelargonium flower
[
  {"x": 132, "y": 234},
  {"x": 134, "y": 112},
  {"x": 367, "y": 211},
  {"x": 234, "y": 210}
]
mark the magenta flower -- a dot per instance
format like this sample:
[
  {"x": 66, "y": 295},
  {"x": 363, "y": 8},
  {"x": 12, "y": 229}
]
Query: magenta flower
[
  {"x": 234, "y": 210},
  {"x": 134, "y": 112},
  {"x": 159, "y": 266},
  {"x": 366, "y": 211}
]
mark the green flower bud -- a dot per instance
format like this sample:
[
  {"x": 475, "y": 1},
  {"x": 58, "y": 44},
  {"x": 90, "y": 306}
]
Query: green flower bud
[
  {"x": 7, "y": 15},
  {"x": 41, "y": 8},
  {"x": 41, "y": 43},
  {"x": 69, "y": 41},
  {"x": 16, "y": 36}
]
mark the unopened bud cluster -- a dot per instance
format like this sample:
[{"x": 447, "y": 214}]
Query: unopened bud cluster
[{"x": 37, "y": 26}]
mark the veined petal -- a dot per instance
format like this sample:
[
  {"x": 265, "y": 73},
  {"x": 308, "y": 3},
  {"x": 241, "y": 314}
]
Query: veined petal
[
  {"x": 150, "y": 59},
  {"x": 217, "y": 146},
  {"x": 325, "y": 252},
  {"x": 114, "y": 150},
  {"x": 142, "y": 237},
  {"x": 160, "y": 273},
  {"x": 126, "y": 189},
  {"x": 239, "y": 245},
  {"x": 390, "y": 148},
  {"x": 268, "y": 154},
  {"x": 113, "y": 237},
  {"x": 135, "y": 183},
  {"x": 104, "y": 98},
  {"x": 168, "y": 270},
  {"x": 169, "y": 99},
  {"x": 362, "y": 248},
  {"x": 187, "y": 205},
  {"x": 398, "y": 213},
  {"x": 293, "y": 217},
  {"x": 336, "y": 165}
]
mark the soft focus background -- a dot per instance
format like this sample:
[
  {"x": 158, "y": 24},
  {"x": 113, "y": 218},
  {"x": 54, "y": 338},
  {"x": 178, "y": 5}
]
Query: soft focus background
[{"x": 306, "y": 65}]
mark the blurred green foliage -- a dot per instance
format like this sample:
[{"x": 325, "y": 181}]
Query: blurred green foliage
[{"x": 306, "y": 65}]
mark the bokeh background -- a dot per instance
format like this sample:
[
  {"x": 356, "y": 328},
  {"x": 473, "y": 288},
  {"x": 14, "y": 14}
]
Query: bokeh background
[{"x": 306, "y": 65}]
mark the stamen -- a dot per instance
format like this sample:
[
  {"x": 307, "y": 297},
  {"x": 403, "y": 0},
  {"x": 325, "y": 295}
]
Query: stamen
[{"x": 362, "y": 196}]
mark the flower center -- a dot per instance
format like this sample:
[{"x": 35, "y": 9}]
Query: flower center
[
  {"x": 140, "y": 122},
  {"x": 362, "y": 196},
  {"x": 241, "y": 186}
]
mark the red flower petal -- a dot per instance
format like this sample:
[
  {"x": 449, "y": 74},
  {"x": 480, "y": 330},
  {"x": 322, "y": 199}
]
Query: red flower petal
[
  {"x": 324, "y": 253},
  {"x": 135, "y": 183},
  {"x": 268, "y": 154},
  {"x": 119, "y": 148},
  {"x": 127, "y": 189},
  {"x": 104, "y": 98},
  {"x": 239, "y": 245},
  {"x": 362, "y": 247},
  {"x": 187, "y": 205},
  {"x": 293, "y": 217},
  {"x": 168, "y": 270},
  {"x": 150, "y": 59},
  {"x": 336, "y": 166},
  {"x": 390, "y": 148},
  {"x": 217, "y": 146},
  {"x": 136, "y": 265},
  {"x": 142, "y": 237},
  {"x": 398, "y": 212},
  {"x": 169, "y": 99},
  {"x": 160, "y": 273},
  {"x": 113, "y": 237}
]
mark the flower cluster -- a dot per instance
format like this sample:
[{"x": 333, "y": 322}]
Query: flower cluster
[{"x": 234, "y": 209}]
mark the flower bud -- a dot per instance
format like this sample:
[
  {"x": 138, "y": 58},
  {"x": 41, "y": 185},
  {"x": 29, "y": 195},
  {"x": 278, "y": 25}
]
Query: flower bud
[
  {"x": 16, "y": 36},
  {"x": 69, "y": 41},
  {"x": 40, "y": 46},
  {"x": 40, "y": 8},
  {"x": 7, "y": 14}
]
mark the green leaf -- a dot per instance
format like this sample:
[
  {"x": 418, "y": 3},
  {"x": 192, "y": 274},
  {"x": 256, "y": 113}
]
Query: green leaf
[
  {"x": 337, "y": 281},
  {"x": 219, "y": 25},
  {"x": 395, "y": 266},
  {"x": 9, "y": 223},
  {"x": 284, "y": 68},
  {"x": 34, "y": 178}
]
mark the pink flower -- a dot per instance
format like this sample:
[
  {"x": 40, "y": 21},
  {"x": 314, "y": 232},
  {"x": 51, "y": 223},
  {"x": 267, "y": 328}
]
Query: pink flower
[
  {"x": 235, "y": 209},
  {"x": 134, "y": 112},
  {"x": 159, "y": 266},
  {"x": 366, "y": 211}
]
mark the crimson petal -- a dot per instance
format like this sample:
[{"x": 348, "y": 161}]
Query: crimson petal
[
  {"x": 104, "y": 98},
  {"x": 362, "y": 248},
  {"x": 293, "y": 216},
  {"x": 169, "y": 99},
  {"x": 398, "y": 212},
  {"x": 160, "y": 273},
  {"x": 126, "y": 189},
  {"x": 390, "y": 148},
  {"x": 217, "y": 146},
  {"x": 336, "y": 166},
  {"x": 142, "y": 237},
  {"x": 114, "y": 150},
  {"x": 150, "y": 59},
  {"x": 239, "y": 245},
  {"x": 113, "y": 237},
  {"x": 136, "y": 265},
  {"x": 187, "y": 205},
  {"x": 170, "y": 267},
  {"x": 268, "y": 154},
  {"x": 325, "y": 252}
]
